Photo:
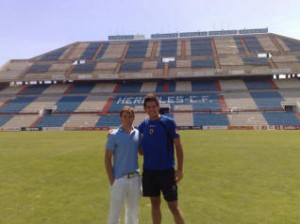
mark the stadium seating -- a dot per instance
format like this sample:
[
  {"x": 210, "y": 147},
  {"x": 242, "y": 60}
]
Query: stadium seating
[
  {"x": 267, "y": 100},
  {"x": 130, "y": 87},
  {"x": 109, "y": 121},
  {"x": 102, "y": 51},
  {"x": 239, "y": 101},
  {"x": 20, "y": 121},
  {"x": 131, "y": 67},
  {"x": 92, "y": 103},
  {"x": 203, "y": 63},
  {"x": 4, "y": 119},
  {"x": 137, "y": 49},
  {"x": 39, "y": 68},
  {"x": 17, "y": 105},
  {"x": 246, "y": 119},
  {"x": 83, "y": 87},
  {"x": 81, "y": 120},
  {"x": 226, "y": 45},
  {"x": 168, "y": 48},
  {"x": 184, "y": 119},
  {"x": 90, "y": 51},
  {"x": 293, "y": 45},
  {"x": 34, "y": 89},
  {"x": 84, "y": 68},
  {"x": 42, "y": 102},
  {"x": 210, "y": 119},
  {"x": 201, "y": 46},
  {"x": 214, "y": 80},
  {"x": 281, "y": 118},
  {"x": 69, "y": 104},
  {"x": 54, "y": 55},
  {"x": 56, "y": 89},
  {"x": 203, "y": 85},
  {"x": 53, "y": 120},
  {"x": 253, "y": 84},
  {"x": 254, "y": 61},
  {"x": 239, "y": 44},
  {"x": 253, "y": 44}
]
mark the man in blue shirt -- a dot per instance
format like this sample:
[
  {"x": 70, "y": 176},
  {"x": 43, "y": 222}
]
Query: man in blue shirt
[
  {"x": 121, "y": 163},
  {"x": 159, "y": 175}
]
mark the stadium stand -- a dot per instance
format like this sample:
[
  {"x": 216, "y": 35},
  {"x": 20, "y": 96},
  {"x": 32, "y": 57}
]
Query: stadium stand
[
  {"x": 90, "y": 50},
  {"x": 81, "y": 120},
  {"x": 69, "y": 103},
  {"x": 4, "y": 119},
  {"x": 17, "y": 105},
  {"x": 210, "y": 119},
  {"x": 137, "y": 49},
  {"x": 247, "y": 119},
  {"x": 20, "y": 121},
  {"x": 214, "y": 80},
  {"x": 53, "y": 120},
  {"x": 201, "y": 46}
]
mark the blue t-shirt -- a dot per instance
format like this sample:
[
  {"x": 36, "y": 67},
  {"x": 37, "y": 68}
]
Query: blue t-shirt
[
  {"x": 125, "y": 147},
  {"x": 158, "y": 151}
]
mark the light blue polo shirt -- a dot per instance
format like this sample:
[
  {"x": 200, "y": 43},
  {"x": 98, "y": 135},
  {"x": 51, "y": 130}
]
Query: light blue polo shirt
[{"x": 125, "y": 147}]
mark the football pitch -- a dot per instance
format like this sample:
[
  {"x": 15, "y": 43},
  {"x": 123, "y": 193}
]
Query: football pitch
[{"x": 230, "y": 177}]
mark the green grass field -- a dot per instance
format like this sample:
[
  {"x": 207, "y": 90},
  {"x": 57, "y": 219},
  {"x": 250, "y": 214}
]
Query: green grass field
[{"x": 233, "y": 177}]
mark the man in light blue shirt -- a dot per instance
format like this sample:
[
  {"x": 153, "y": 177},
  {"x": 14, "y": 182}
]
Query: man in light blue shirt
[{"x": 121, "y": 163}]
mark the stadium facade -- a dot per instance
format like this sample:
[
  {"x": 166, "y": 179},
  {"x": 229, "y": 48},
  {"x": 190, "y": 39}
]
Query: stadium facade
[{"x": 205, "y": 80}]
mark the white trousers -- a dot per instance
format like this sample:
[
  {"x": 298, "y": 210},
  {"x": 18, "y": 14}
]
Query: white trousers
[{"x": 128, "y": 190}]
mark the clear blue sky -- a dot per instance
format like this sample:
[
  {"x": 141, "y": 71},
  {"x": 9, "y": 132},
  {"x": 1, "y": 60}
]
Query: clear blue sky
[{"x": 32, "y": 27}]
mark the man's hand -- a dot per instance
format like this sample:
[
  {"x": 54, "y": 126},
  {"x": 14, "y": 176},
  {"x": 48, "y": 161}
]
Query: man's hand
[{"x": 178, "y": 175}]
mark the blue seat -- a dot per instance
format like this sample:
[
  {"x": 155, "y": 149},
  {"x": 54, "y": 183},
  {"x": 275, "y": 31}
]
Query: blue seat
[
  {"x": 137, "y": 49},
  {"x": 203, "y": 63},
  {"x": 69, "y": 103},
  {"x": 238, "y": 43},
  {"x": 16, "y": 105},
  {"x": 36, "y": 89},
  {"x": 53, "y": 120},
  {"x": 90, "y": 51},
  {"x": 168, "y": 48},
  {"x": 54, "y": 55},
  {"x": 293, "y": 45},
  {"x": 130, "y": 87},
  {"x": 4, "y": 119},
  {"x": 102, "y": 51},
  {"x": 84, "y": 68},
  {"x": 254, "y": 84},
  {"x": 253, "y": 44},
  {"x": 281, "y": 118},
  {"x": 131, "y": 66},
  {"x": 39, "y": 68},
  {"x": 201, "y": 46},
  {"x": 204, "y": 85},
  {"x": 267, "y": 100},
  {"x": 210, "y": 119},
  {"x": 112, "y": 120},
  {"x": 82, "y": 87}
]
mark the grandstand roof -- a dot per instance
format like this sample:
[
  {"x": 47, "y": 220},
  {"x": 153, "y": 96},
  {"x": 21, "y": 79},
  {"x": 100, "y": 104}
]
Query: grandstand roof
[{"x": 211, "y": 56}]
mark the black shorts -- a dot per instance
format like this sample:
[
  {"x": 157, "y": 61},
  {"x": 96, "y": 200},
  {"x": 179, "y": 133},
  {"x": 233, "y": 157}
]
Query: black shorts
[{"x": 163, "y": 181}]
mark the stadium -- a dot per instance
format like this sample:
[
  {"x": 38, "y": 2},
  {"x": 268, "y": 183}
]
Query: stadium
[
  {"x": 245, "y": 79},
  {"x": 216, "y": 79}
]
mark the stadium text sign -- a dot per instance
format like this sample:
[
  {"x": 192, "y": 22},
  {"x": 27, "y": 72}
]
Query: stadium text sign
[{"x": 177, "y": 99}]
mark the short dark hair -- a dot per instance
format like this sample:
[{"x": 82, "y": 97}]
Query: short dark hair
[{"x": 151, "y": 97}]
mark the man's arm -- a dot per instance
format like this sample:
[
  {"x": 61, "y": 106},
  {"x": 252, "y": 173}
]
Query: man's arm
[
  {"x": 108, "y": 166},
  {"x": 179, "y": 156}
]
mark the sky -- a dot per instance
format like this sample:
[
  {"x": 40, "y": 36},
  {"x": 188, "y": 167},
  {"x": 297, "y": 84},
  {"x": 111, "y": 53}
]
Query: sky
[{"x": 33, "y": 27}]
